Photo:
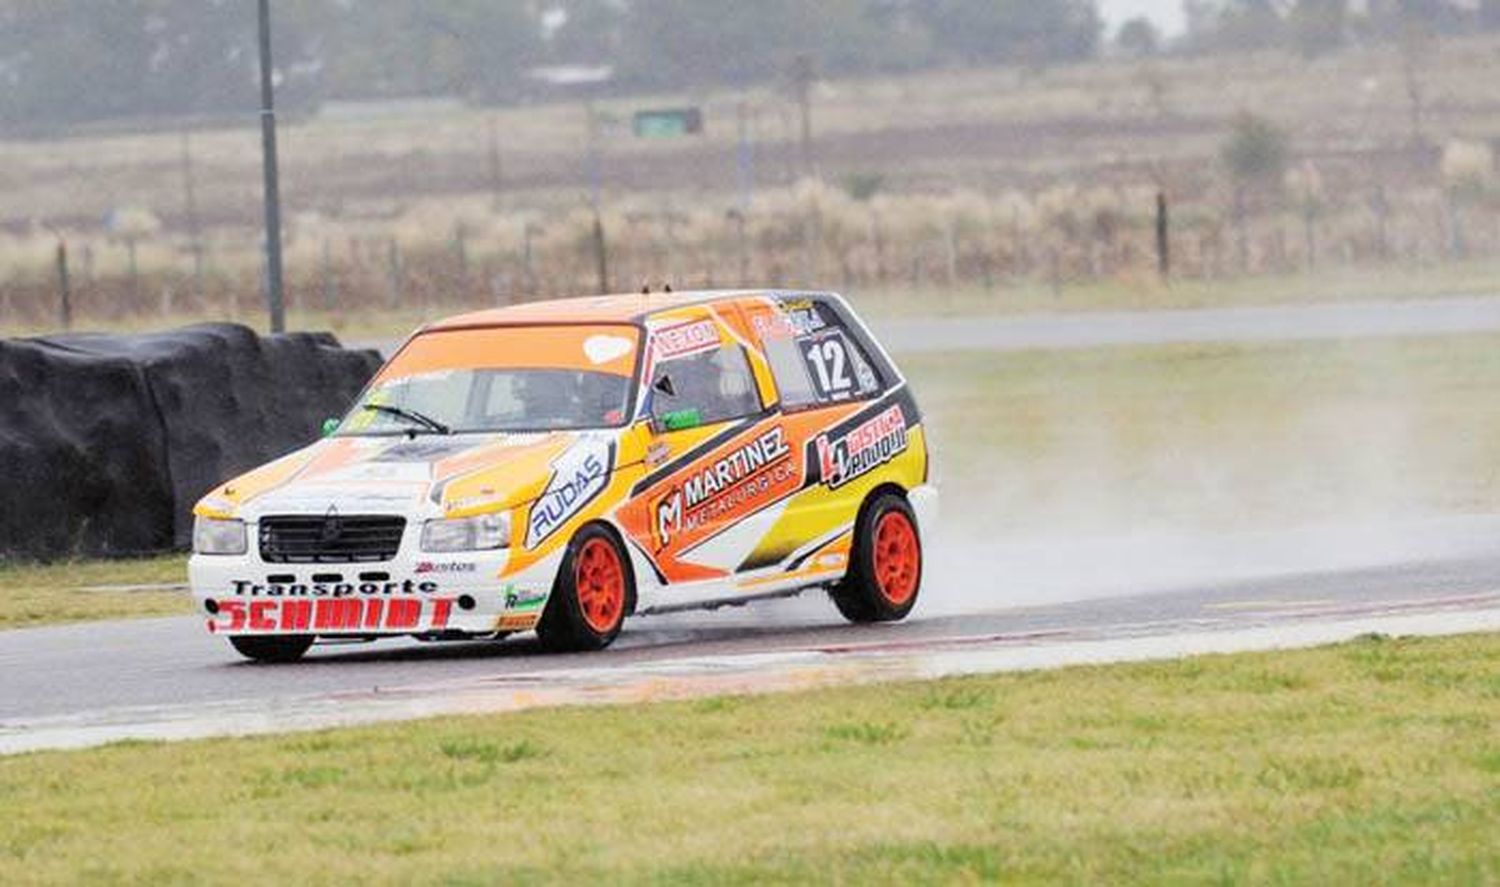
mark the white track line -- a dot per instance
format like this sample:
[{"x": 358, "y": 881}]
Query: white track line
[{"x": 694, "y": 677}]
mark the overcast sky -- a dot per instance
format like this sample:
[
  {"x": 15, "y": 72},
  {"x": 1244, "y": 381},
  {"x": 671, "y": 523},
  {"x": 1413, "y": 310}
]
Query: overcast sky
[{"x": 1166, "y": 13}]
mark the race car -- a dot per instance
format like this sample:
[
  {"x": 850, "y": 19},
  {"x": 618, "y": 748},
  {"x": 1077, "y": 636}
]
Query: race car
[{"x": 560, "y": 466}]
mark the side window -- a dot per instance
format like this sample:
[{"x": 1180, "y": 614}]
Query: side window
[
  {"x": 714, "y": 385},
  {"x": 815, "y": 359}
]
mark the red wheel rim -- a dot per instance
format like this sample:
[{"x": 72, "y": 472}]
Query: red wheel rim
[
  {"x": 600, "y": 579},
  {"x": 898, "y": 558}
]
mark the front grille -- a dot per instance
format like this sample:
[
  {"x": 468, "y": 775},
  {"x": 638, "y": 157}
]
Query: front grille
[{"x": 330, "y": 539}]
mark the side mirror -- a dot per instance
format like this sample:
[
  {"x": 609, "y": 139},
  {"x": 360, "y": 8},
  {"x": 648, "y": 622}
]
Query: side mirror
[{"x": 330, "y": 426}]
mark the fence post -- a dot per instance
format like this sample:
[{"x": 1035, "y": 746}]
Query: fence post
[
  {"x": 601, "y": 254},
  {"x": 1163, "y": 238},
  {"x": 330, "y": 284},
  {"x": 461, "y": 256},
  {"x": 742, "y": 244},
  {"x": 135, "y": 269},
  {"x": 393, "y": 272},
  {"x": 528, "y": 273},
  {"x": 64, "y": 287}
]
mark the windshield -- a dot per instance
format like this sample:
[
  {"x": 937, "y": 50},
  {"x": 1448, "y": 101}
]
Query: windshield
[{"x": 504, "y": 379}]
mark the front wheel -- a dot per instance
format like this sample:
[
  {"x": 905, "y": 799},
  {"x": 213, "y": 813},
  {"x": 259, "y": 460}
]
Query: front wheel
[
  {"x": 272, "y": 649},
  {"x": 589, "y": 599},
  {"x": 886, "y": 574}
]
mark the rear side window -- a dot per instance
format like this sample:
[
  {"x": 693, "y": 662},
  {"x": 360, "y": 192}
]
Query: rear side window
[
  {"x": 716, "y": 385},
  {"x": 816, "y": 359}
]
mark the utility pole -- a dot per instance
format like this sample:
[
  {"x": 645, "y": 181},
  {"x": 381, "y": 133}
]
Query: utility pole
[
  {"x": 190, "y": 210},
  {"x": 496, "y": 169},
  {"x": 275, "y": 297},
  {"x": 1163, "y": 238},
  {"x": 745, "y": 157},
  {"x": 803, "y": 78},
  {"x": 596, "y": 197}
]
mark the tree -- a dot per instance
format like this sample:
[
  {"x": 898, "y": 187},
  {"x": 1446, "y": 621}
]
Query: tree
[
  {"x": 1318, "y": 26},
  {"x": 1029, "y": 31},
  {"x": 68, "y": 61},
  {"x": 1233, "y": 25},
  {"x": 1489, "y": 15},
  {"x": 590, "y": 32},
  {"x": 1256, "y": 150},
  {"x": 690, "y": 42},
  {"x": 1256, "y": 155},
  {"x": 1139, "y": 37}
]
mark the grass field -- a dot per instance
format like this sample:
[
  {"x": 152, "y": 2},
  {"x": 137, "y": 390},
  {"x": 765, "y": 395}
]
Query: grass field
[
  {"x": 968, "y": 175},
  {"x": 1374, "y": 762},
  {"x": 986, "y": 126},
  {"x": 1115, "y": 440},
  {"x": 1215, "y": 437},
  {"x": 37, "y": 595}
]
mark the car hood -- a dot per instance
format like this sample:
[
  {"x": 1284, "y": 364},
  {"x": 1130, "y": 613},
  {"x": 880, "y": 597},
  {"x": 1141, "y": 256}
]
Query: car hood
[{"x": 453, "y": 476}]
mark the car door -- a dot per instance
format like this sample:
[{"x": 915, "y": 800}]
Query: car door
[
  {"x": 832, "y": 391},
  {"x": 717, "y": 457}
]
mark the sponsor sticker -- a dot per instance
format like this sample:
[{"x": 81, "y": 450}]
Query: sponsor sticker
[
  {"x": 518, "y": 621},
  {"x": 579, "y": 475},
  {"x": 521, "y": 599},
  {"x": 407, "y": 588},
  {"x": 861, "y": 450},
  {"x": 683, "y": 340},
  {"x": 606, "y": 349},
  {"x": 792, "y": 321},
  {"x": 739, "y": 480},
  {"x": 446, "y": 568},
  {"x": 331, "y": 615}
]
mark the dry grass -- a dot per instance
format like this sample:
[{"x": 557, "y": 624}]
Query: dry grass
[
  {"x": 988, "y": 175},
  {"x": 1373, "y": 762}
]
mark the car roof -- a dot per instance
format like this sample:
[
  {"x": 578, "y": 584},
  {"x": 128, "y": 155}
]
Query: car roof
[{"x": 632, "y": 308}]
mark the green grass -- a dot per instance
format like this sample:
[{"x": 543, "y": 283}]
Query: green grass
[
  {"x": 41, "y": 594},
  {"x": 1215, "y": 437},
  {"x": 1373, "y": 762}
]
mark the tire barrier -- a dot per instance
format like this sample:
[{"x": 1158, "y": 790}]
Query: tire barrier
[{"x": 107, "y": 441}]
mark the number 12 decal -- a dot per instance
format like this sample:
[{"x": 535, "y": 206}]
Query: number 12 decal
[{"x": 830, "y": 362}]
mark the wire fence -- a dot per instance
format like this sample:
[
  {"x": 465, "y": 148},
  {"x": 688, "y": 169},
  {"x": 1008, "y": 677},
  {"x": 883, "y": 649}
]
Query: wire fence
[{"x": 813, "y": 236}]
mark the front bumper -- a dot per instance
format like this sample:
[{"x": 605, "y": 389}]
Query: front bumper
[{"x": 418, "y": 594}]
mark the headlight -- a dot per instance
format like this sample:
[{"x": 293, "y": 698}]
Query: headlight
[
  {"x": 483, "y": 533},
  {"x": 213, "y": 536}
]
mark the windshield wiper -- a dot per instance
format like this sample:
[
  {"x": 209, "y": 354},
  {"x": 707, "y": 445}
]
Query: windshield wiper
[{"x": 427, "y": 422}]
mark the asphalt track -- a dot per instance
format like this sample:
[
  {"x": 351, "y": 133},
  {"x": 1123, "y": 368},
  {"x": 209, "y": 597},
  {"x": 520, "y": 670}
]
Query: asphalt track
[
  {"x": 166, "y": 678},
  {"x": 984, "y": 608}
]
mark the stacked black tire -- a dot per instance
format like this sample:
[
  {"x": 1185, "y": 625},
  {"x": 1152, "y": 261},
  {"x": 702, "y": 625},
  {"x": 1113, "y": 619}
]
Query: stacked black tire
[{"x": 107, "y": 441}]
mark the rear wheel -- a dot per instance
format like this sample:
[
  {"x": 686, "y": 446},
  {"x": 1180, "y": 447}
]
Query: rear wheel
[
  {"x": 589, "y": 600},
  {"x": 886, "y": 574},
  {"x": 273, "y": 649}
]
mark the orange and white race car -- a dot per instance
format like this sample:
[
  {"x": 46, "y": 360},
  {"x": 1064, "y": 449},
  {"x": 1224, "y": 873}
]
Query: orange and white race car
[{"x": 560, "y": 466}]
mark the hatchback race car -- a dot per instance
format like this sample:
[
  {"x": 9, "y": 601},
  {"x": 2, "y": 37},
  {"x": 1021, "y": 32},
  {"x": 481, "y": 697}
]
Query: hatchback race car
[{"x": 559, "y": 466}]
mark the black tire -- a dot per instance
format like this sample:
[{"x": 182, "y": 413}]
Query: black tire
[
  {"x": 279, "y": 650},
  {"x": 862, "y": 597},
  {"x": 568, "y": 624}
]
